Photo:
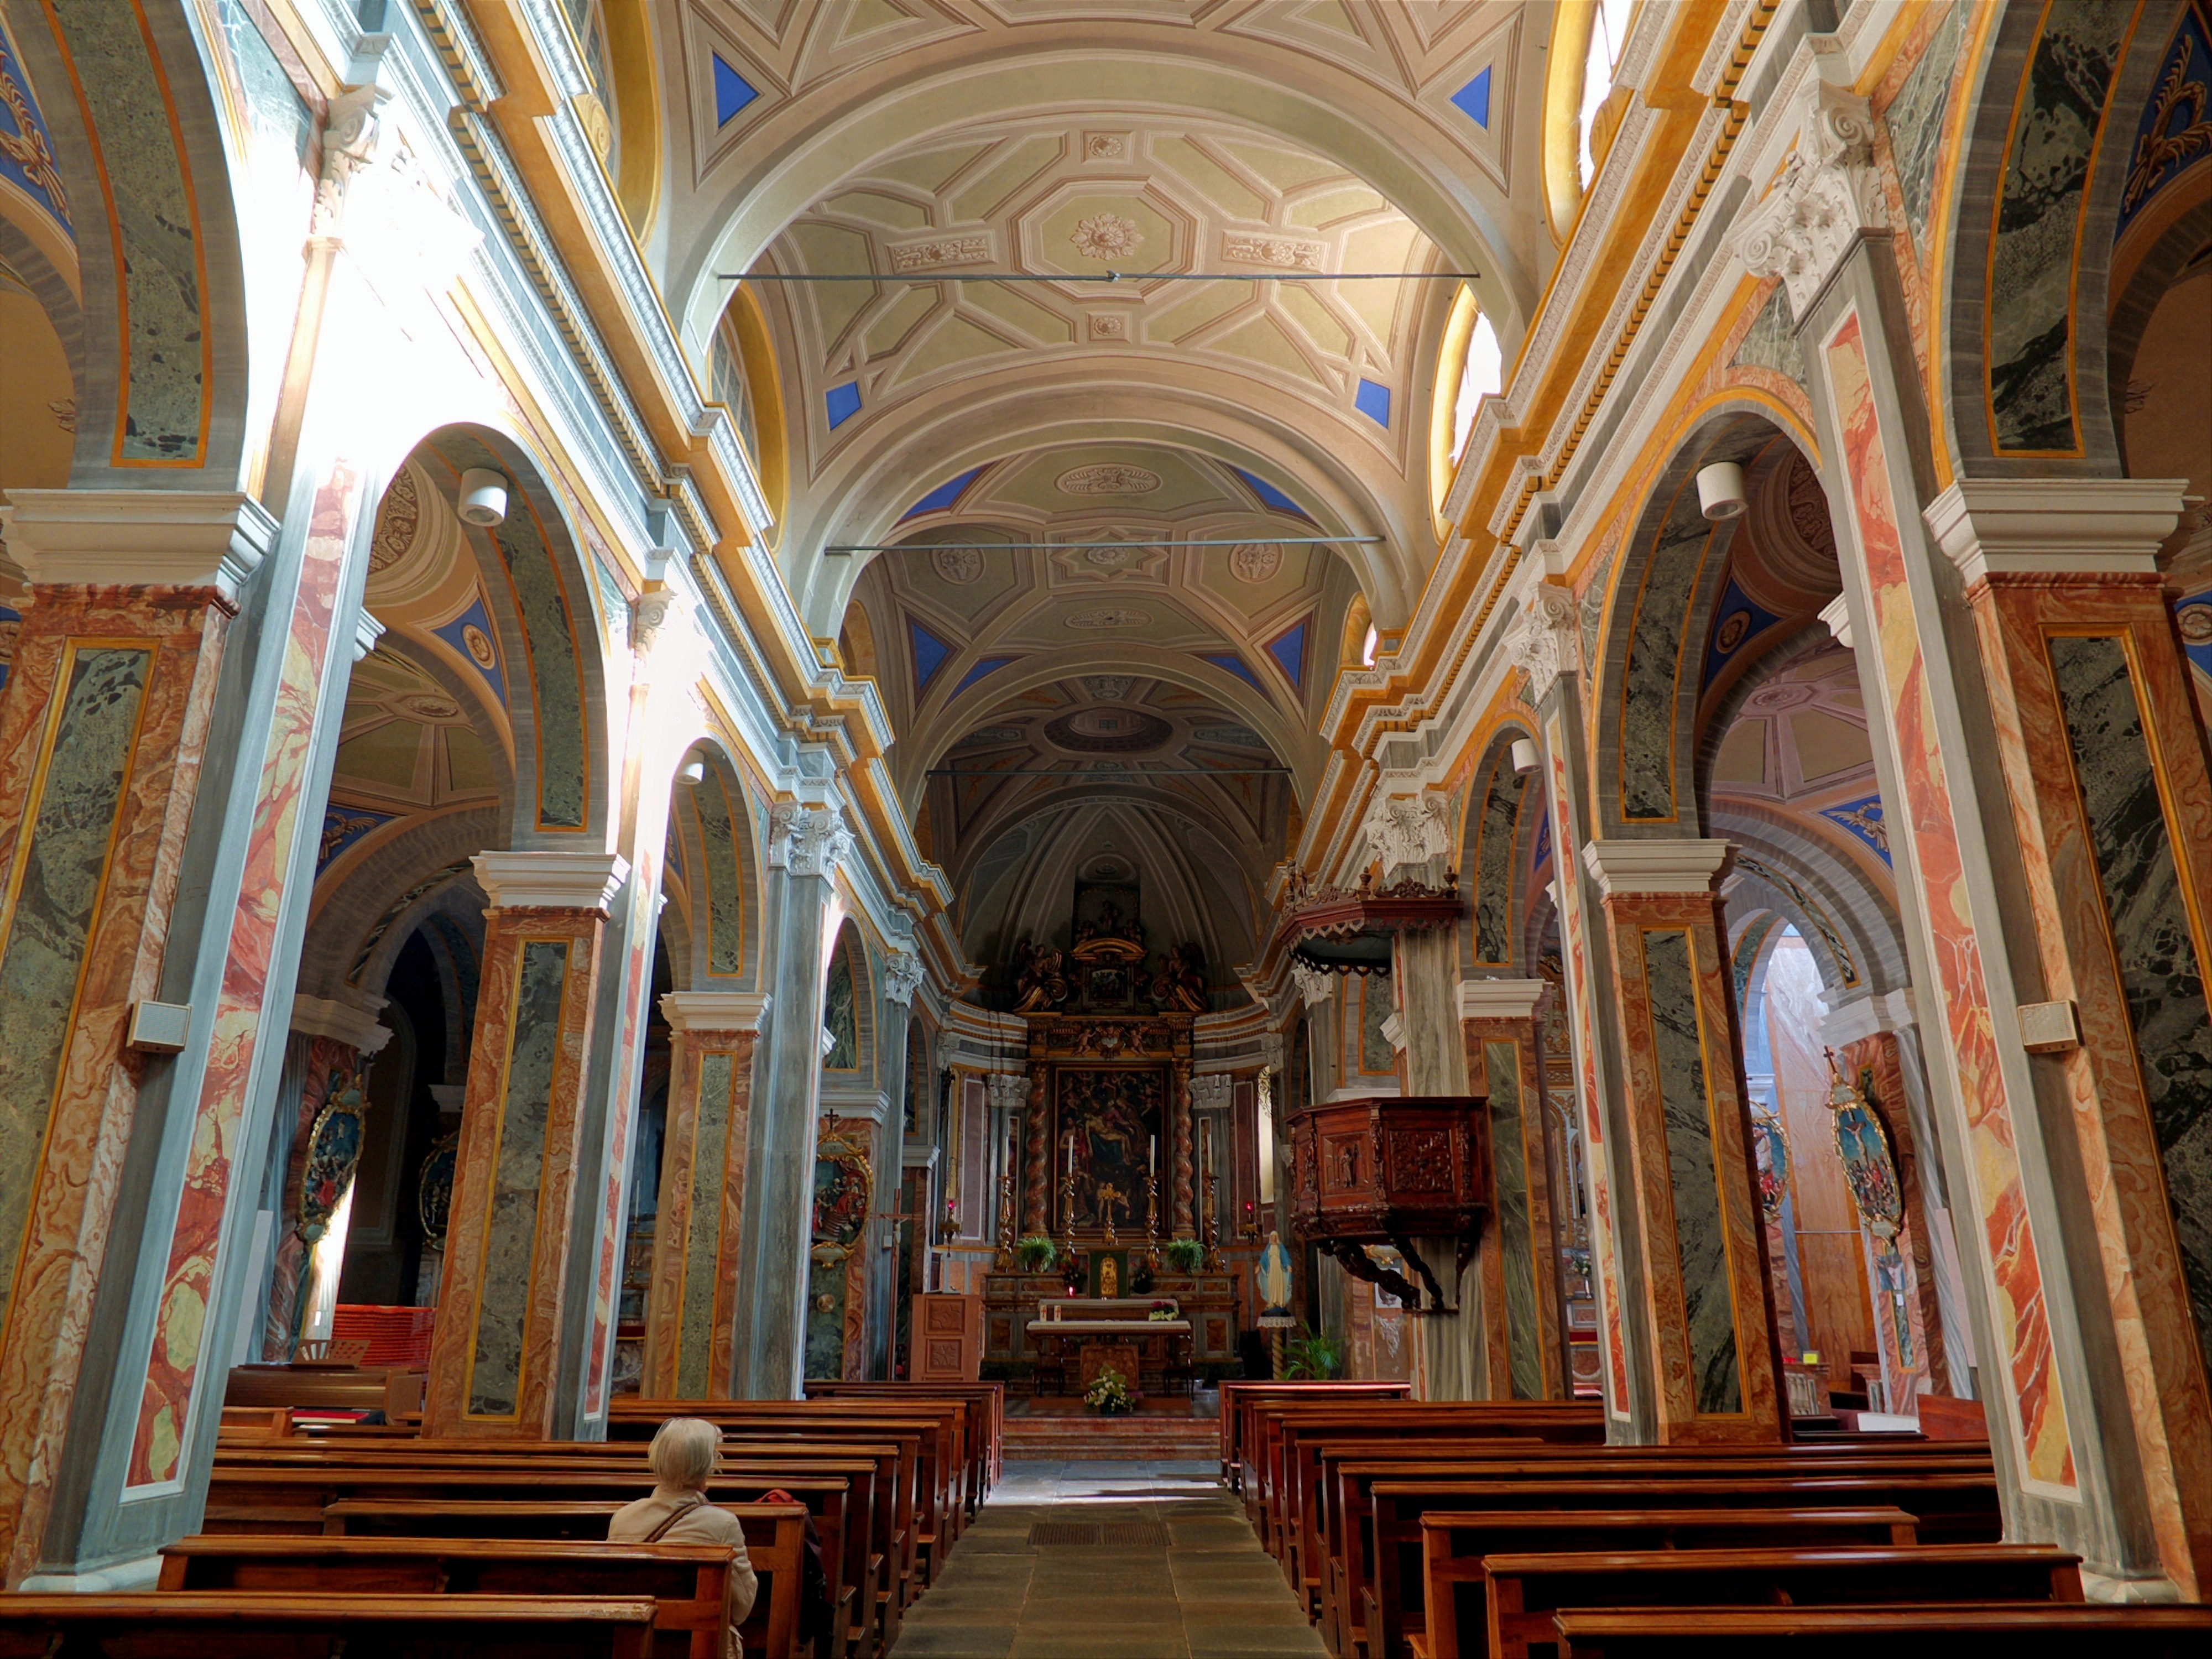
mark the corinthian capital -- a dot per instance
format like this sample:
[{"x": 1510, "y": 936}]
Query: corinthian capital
[
  {"x": 901, "y": 977},
  {"x": 1543, "y": 641},
  {"x": 1407, "y": 829},
  {"x": 807, "y": 840},
  {"x": 1828, "y": 192},
  {"x": 350, "y": 136}
]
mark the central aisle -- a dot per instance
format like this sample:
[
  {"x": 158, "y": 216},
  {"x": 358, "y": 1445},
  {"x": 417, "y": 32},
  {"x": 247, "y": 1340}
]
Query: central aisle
[{"x": 1127, "y": 1560}]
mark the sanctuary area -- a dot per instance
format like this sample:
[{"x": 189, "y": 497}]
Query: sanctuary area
[{"x": 1372, "y": 827}]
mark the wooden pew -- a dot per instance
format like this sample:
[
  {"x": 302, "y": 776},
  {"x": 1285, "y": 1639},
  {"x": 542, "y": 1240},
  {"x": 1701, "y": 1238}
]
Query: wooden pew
[
  {"x": 1333, "y": 1560},
  {"x": 1526, "y": 1591},
  {"x": 188, "y": 1624},
  {"x": 1943, "y": 1630},
  {"x": 294, "y": 1500},
  {"x": 1237, "y": 1399},
  {"x": 1454, "y": 1546},
  {"x": 940, "y": 1425},
  {"x": 688, "y": 1584},
  {"x": 986, "y": 1404},
  {"x": 1398, "y": 1498},
  {"x": 397, "y": 1394}
]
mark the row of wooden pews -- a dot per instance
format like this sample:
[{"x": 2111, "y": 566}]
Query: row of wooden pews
[
  {"x": 408, "y": 1546},
  {"x": 1509, "y": 1529}
]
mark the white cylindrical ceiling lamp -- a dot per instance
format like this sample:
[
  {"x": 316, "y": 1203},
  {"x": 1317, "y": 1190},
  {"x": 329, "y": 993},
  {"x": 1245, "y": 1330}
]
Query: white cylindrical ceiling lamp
[
  {"x": 1720, "y": 490},
  {"x": 483, "y": 498},
  {"x": 1526, "y": 757}
]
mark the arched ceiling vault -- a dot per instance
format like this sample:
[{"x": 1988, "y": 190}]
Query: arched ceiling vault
[{"x": 1121, "y": 690}]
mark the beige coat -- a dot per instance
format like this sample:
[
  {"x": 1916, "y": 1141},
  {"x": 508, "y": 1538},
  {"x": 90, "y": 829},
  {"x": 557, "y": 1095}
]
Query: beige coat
[{"x": 697, "y": 1521}]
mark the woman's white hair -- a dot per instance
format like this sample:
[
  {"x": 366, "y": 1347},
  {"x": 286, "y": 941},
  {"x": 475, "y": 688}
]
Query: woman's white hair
[{"x": 685, "y": 1451}]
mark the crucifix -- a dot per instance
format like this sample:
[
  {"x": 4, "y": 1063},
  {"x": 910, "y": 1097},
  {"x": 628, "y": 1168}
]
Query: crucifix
[{"x": 1108, "y": 1196}]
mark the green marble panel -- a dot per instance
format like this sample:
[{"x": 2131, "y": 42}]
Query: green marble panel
[
  {"x": 710, "y": 1160},
  {"x": 2160, "y": 973},
  {"x": 1494, "y": 872},
  {"x": 71, "y": 820},
  {"x": 1509, "y": 1167},
  {"x": 725, "y": 893},
  {"x": 503, "y": 1295},
  {"x": 166, "y": 318},
  {"x": 1700, "y": 1241}
]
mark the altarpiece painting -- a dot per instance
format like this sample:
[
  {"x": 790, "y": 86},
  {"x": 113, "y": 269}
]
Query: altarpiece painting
[{"x": 1114, "y": 1115}]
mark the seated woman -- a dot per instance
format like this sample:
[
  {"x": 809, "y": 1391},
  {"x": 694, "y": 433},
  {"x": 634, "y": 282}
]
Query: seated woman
[{"x": 685, "y": 1452}]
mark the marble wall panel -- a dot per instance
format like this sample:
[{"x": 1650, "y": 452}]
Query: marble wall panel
[
  {"x": 1700, "y": 1245},
  {"x": 1655, "y": 653},
  {"x": 169, "y": 1394},
  {"x": 2153, "y": 944},
  {"x": 1495, "y": 837},
  {"x": 2105, "y": 763},
  {"x": 725, "y": 893},
  {"x": 69, "y": 1163},
  {"x": 53, "y": 896},
  {"x": 153, "y": 222},
  {"x": 1509, "y": 1170},
  {"x": 2065, "y": 98},
  {"x": 703, "y": 1226},
  {"x": 2017, "y": 1311},
  {"x": 1574, "y": 941},
  {"x": 1915, "y": 118},
  {"x": 517, "y": 1167}
]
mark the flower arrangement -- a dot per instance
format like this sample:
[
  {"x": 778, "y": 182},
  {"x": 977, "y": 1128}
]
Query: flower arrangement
[
  {"x": 1161, "y": 1311},
  {"x": 1109, "y": 1396},
  {"x": 1185, "y": 1255},
  {"x": 1036, "y": 1254}
]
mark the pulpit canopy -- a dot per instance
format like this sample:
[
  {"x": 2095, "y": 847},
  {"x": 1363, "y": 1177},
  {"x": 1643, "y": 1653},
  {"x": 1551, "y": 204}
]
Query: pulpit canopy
[{"x": 1389, "y": 1169}]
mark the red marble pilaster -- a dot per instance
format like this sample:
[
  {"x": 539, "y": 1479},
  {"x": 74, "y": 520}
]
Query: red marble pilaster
[
  {"x": 73, "y": 1138},
  {"x": 486, "y": 1319},
  {"x": 2019, "y": 614},
  {"x": 1688, "y": 1129},
  {"x": 705, "y": 1038}
]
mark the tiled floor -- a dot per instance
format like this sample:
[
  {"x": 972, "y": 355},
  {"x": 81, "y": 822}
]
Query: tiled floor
[{"x": 1209, "y": 1588}]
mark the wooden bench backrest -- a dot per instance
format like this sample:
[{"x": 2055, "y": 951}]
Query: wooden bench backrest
[
  {"x": 687, "y": 1581},
  {"x": 1929, "y": 1631},
  {"x": 186, "y": 1624},
  {"x": 1524, "y": 1591}
]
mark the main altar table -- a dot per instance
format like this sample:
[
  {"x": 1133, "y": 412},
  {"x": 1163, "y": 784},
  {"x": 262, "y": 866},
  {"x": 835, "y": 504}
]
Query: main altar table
[{"x": 1127, "y": 1345}]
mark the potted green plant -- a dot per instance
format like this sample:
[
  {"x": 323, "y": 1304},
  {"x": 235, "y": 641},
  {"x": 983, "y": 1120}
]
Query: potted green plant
[
  {"x": 1109, "y": 1396},
  {"x": 1036, "y": 1254},
  {"x": 1315, "y": 1354},
  {"x": 1184, "y": 1255}
]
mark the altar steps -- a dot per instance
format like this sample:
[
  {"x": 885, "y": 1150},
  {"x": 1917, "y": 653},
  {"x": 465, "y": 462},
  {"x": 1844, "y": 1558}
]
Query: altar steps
[{"x": 1070, "y": 1439}]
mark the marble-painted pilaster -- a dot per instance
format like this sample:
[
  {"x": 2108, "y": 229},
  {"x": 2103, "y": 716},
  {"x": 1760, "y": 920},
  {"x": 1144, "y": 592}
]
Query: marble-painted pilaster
[
  {"x": 1520, "y": 1254},
  {"x": 2113, "y": 803},
  {"x": 805, "y": 844},
  {"x": 902, "y": 978},
  {"x": 103, "y": 729},
  {"x": 1707, "y": 1298},
  {"x": 691, "y": 1310},
  {"x": 494, "y": 1356}
]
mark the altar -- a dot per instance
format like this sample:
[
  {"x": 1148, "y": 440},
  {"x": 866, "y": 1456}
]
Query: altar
[{"x": 1118, "y": 1333}]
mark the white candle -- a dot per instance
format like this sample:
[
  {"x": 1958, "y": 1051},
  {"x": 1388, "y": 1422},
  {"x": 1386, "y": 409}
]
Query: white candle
[
  {"x": 1152, "y": 1159},
  {"x": 1071, "y": 1154}
]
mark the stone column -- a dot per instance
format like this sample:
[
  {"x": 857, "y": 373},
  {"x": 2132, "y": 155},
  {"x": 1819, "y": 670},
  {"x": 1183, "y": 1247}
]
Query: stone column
[
  {"x": 1037, "y": 1179},
  {"x": 1520, "y": 1251},
  {"x": 901, "y": 979},
  {"x": 2000, "y": 874},
  {"x": 691, "y": 1311},
  {"x": 1183, "y": 1212},
  {"x": 496, "y": 1354},
  {"x": 1545, "y": 644},
  {"x": 103, "y": 727},
  {"x": 805, "y": 844},
  {"x": 2104, "y": 767},
  {"x": 1706, "y": 1297}
]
